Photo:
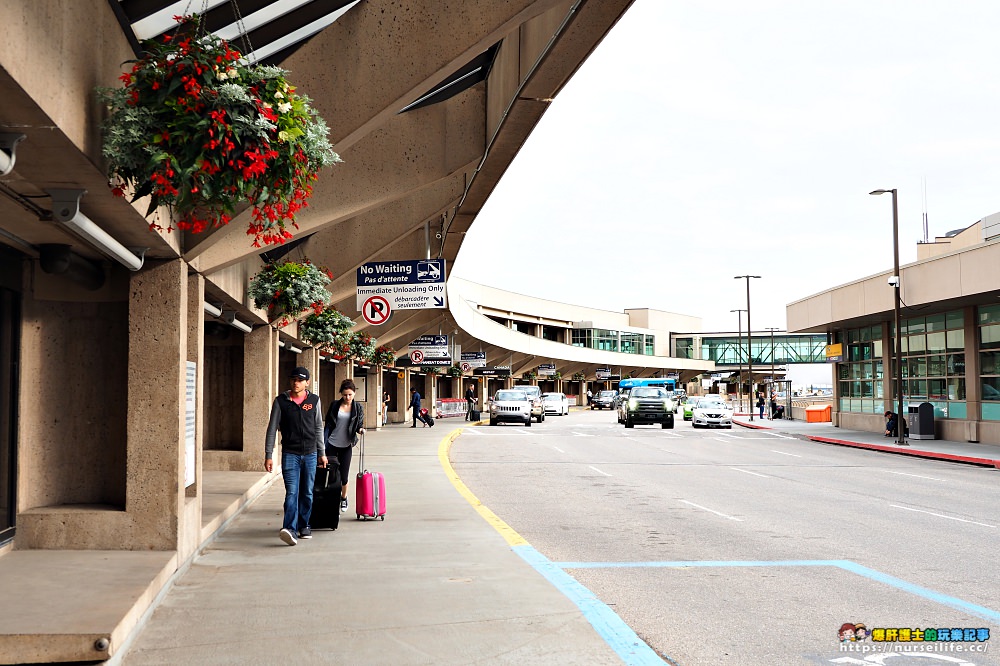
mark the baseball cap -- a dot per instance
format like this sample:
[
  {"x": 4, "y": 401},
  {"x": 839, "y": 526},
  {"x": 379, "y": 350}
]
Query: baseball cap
[{"x": 300, "y": 373}]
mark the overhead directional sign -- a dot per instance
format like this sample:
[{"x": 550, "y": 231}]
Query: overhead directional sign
[
  {"x": 473, "y": 360},
  {"x": 430, "y": 350},
  {"x": 495, "y": 371},
  {"x": 405, "y": 285},
  {"x": 376, "y": 310}
]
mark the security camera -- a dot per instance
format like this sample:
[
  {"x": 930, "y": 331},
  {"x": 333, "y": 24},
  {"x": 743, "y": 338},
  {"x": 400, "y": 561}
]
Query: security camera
[
  {"x": 438, "y": 235},
  {"x": 893, "y": 280}
]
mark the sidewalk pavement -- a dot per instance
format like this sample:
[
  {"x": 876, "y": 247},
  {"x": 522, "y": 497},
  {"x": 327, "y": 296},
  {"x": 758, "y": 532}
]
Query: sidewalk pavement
[
  {"x": 963, "y": 452},
  {"x": 434, "y": 583}
]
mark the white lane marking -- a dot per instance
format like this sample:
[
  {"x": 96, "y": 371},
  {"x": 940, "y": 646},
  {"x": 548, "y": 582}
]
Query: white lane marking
[
  {"x": 941, "y": 515},
  {"x": 580, "y": 434},
  {"x": 698, "y": 506},
  {"x": 746, "y": 471},
  {"x": 558, "y": 449},
  {"x": 598, "y": 471},
  {"x": 917, "y": 476},
  {"x": 794, "y": 455}
]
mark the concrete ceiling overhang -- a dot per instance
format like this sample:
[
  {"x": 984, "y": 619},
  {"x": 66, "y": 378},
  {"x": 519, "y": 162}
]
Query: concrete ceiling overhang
[{"x": 433, "y": 165}]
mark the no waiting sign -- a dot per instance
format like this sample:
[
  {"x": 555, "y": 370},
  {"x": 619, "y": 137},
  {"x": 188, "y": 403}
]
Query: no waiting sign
[{"x": 376, "y": 310}]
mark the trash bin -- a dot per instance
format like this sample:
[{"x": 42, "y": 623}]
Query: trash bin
[
  {"x": 920, "y": 421},
  {"x": 818, "y": 414}
]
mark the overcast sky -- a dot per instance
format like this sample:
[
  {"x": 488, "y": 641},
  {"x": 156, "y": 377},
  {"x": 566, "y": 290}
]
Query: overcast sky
[{"x": 703, "y": 140}]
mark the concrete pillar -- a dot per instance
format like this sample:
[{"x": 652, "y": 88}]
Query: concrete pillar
[
  {"x": 343, "y": 370},
  {"x": 190, "y": 534},
  {"x": 973, "y": 386},
  {"x": 309, "y": 359},
  {"x": 402, "y": 413},
  {"x": 158, "y": 335},
  {"x": 260, "y": 386}
]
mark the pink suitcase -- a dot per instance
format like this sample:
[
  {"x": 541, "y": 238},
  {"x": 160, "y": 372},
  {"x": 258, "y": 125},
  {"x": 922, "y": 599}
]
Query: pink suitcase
[{"x": 370, "y": 491}]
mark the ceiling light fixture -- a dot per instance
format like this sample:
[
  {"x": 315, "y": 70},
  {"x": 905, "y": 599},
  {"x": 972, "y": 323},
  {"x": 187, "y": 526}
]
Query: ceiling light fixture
[{"x": 66, "y": 209}]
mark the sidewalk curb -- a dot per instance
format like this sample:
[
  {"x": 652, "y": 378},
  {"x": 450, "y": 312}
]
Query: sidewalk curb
[
  {"x": 907, "y": 451},
  {"x": 984, "y": 462},
  {"x": 752, "y": 426}
]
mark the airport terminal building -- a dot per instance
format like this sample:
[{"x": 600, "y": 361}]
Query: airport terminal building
[{"x": 950, "y": 337}]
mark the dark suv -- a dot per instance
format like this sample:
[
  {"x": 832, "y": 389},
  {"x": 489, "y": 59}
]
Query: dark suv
[
  {"x": 604, "y": 400},
  {"x": 649, "y": 405}
]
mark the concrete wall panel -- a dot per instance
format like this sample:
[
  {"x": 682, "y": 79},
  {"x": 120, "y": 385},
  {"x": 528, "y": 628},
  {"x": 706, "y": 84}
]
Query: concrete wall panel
[{"x": 73, "y": 406}]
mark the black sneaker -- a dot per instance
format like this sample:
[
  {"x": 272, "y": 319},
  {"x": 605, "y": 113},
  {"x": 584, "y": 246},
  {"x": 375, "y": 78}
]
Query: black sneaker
[
  {"x": 306, "y": 533},
  {"x": 287, "y": 536},
  {"x": 343, "y": 505}
]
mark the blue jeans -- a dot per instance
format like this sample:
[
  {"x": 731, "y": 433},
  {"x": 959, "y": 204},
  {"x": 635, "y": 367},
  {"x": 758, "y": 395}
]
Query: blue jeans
[{"x": 299, "y": 474}]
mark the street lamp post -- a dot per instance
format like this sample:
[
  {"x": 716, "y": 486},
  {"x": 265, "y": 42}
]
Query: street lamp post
[
  {"x": 772, "y": 329},
  {"x": 739, "y": 358},
  {"x": 749, "y": 339},
  {"x": 894, "y": 281}
]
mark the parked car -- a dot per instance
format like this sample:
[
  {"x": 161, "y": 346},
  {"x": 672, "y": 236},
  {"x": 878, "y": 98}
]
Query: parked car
[
  {"x": 648, "y": 405},
  {"x": 555, "y": 403},
  {"x": 535, "y": 395},
  {"x": 711, "y": 411},
  {"x": 509, "y": 405},
  {"x": 604, "y": 400}
]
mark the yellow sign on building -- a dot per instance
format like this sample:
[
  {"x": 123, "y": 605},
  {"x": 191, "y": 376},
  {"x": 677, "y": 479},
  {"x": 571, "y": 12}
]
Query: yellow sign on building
[{"x": 834, "y": 353}]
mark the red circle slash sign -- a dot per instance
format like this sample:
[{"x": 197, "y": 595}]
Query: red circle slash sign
[{"x": 376, "y": 310}]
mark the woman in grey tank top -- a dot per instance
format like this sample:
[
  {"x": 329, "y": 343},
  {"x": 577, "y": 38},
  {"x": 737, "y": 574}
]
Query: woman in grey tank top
[{"x": 344, "y": 422}]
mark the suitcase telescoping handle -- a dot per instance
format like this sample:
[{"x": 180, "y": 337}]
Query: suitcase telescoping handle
[{"x": 361, "y": 466}]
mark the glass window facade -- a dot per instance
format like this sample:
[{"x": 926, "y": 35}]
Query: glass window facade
[
  {"x": 988, "y": 319},
  {"x": 860, "y": 373},
  {"x": 933, "y": 358},
  {"x": 684, "y": 348},
  {"x": 934, "y": 363},
  {"x": 608, "y": 340}
]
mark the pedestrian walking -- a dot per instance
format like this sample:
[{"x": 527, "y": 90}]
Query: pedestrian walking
[
  {"x": 385, "y": 408},
  {"x": 470, "y": 402},
  {"x": 415, "y": 405},
  {"x": 298, "y": 415},
  {"x": 344, "y": 422},
  {"x": 760, "y": 404}
]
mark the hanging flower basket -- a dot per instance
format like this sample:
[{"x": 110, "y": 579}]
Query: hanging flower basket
[
  {"x": 340, "y": 348},
  {"x": 289, "y": 289},
  {"x": 322, "y": 329},
  {"x": 430, "y": 370},
  {"x": 196, "y": 128},
  {"x": 557, "y": 375},
  {"x": 455, "y": 371},
  {"x": 384, "y": 355},
  {"x": 362, "y": 347},
  {"x": 579, "y": 376},
  {"x": 531, "y": 374}
]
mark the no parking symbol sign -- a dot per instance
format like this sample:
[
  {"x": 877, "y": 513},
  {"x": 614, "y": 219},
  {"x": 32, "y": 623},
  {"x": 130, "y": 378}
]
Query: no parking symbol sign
[{"x": 376, "y": 310}]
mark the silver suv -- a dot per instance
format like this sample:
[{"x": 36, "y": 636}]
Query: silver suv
[{"x": 535, "y": 394}]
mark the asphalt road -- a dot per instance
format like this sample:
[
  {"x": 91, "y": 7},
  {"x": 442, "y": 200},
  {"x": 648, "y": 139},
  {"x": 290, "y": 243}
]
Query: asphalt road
[{"x": 751, "y": 547}]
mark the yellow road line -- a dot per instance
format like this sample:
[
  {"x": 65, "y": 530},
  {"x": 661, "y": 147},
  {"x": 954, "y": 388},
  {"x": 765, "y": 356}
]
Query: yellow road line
[{"x": 505, "y": 530}]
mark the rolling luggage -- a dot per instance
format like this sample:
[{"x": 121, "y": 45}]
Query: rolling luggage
[
  {"x": 426, "y": 417},
  {"x": 326, "y": 496},
  {"x": 475, "y": 415},
  {"x": 370, "y": 489}
]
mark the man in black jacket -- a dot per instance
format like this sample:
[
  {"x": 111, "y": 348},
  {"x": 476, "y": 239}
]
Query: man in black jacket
[
  {"x": 470, "y": 402},
  {"x": 299, "y": 417}
]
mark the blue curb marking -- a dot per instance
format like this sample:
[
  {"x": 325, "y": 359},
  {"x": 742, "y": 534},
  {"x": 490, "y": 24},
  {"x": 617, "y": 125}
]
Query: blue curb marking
[
  {"x": 707, "y": 563},
  {"x": 944, "y": 599},
  {"x": 618, "y": 635},
  {"x": 846, "y": 565}
]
